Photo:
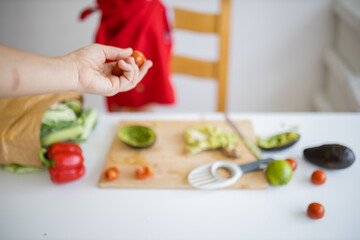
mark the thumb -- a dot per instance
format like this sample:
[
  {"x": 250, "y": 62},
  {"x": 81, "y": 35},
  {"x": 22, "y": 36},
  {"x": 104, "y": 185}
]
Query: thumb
[{"x": 114, "y": 53}]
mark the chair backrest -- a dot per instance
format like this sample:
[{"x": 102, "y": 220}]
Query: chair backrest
[{"x": 206, "y": 23}]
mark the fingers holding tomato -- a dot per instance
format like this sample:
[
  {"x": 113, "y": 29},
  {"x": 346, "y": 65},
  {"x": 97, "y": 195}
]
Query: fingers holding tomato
[
  {"x": 116, "y": 69},
  {"x": 145, "y": 68},
  {"x": 130, "y": 71},
  {"x": 120, "y": 66}
]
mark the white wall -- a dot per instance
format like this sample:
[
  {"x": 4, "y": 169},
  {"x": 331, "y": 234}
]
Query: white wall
[{"x": 275, "y": 48}]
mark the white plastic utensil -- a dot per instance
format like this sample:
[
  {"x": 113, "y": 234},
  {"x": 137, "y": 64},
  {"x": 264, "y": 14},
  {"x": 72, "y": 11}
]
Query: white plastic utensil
[{"x": 206, "y": 177}]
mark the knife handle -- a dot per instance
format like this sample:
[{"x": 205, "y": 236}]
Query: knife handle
[{"x": 253, "y": 166}]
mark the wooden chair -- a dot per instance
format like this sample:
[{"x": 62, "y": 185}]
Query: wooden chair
[{"x": 206, "y": 23}]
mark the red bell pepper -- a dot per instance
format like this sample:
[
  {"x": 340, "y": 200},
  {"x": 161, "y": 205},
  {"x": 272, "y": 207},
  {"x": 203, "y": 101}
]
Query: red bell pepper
[
  {"x": 63, "y": 147},
  {"x": 65, "y": 162},
  {"x": 63, "y": 176}
]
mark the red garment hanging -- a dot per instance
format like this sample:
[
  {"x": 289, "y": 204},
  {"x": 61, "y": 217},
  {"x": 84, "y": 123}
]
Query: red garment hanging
[{"x": 142, "y": 25}]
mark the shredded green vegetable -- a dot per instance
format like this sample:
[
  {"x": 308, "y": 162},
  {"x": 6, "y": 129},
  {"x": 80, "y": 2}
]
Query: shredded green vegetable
[
  {"x": 207, "y": 137},
  {"x": 17, "y": 168},
  {"x": 67, "y": 121}
]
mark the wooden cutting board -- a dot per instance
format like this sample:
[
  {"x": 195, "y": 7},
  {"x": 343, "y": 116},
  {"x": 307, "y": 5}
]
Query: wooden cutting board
[{"x": 168, "y": 160}]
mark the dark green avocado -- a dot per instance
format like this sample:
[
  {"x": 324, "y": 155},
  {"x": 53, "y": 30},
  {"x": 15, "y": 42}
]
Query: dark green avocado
[
  {"x": 279, "y": 141},
  {"x": 332, "y": 156},
  {"x": 137, "y": 136}
]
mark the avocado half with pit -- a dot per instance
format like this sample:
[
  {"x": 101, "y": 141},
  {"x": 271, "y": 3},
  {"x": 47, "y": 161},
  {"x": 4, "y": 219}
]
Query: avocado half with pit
[
  {"x": 279, "y": 141},
  {"x": 137, "y": 136}
]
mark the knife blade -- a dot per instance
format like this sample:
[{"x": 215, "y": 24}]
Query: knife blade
[{"x": 254, "y": 149}]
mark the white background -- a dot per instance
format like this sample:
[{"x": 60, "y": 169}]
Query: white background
[{"x": 275, "y": 48}]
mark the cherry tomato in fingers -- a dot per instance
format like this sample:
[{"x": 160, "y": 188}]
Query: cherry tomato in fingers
[
  {"x": 111, "y": 173},
  {"x": 318, "y": 177},
  {"x": 116, "y": 70},
  {"x": 292, "y": 162},
  {"x": 143, "y": 172},
  {"x": 139, "y": 60},
  {"x": 315, "y": 211}
]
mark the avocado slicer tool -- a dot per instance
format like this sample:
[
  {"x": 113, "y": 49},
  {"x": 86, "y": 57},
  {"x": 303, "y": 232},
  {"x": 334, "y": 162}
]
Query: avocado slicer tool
[{"x": 206, "y": 176}]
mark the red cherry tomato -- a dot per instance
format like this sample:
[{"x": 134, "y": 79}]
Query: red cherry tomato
[
  {"x": 139, "y": 60},
  {"x": 111, "y": 173},
  {"x": 143, "y": 172},
  {"x": 292, "y": 162},
  {"x": 116, "y": 70},
  {"x": 315, "y": 211},
  {"x": 318, "y": 177}
]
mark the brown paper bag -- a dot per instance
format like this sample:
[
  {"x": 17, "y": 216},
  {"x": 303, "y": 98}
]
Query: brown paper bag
[{"x": 20, "y": 124}]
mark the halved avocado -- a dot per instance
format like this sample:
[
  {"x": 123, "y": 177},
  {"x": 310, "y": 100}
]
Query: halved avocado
[
  {"x": 279, "y": 141},
  {"x": 137, "y": 136}
]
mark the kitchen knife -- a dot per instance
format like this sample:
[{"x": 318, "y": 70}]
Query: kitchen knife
[{"x": 254, "y": 149}]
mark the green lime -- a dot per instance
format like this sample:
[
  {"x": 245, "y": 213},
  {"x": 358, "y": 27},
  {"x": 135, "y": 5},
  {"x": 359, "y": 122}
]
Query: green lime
[{"x": 279, "y": 172}]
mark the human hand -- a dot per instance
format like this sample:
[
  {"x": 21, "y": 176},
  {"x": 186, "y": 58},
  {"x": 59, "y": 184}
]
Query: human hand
[{"x": 95, "y": 76}]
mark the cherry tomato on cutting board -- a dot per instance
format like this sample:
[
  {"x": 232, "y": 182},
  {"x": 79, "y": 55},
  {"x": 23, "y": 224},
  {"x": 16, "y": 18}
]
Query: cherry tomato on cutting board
[
  {"x": 139, "y": 60},
  {"x": 143, "y": 172},
  {"x": 111, "y": 173},
  {"x": 318, "y": 177},
  {"x": 292, "y": 162},
  {"x": 315, "y": 211}
]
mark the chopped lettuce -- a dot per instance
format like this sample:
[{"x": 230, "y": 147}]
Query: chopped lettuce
[
  {"x": 64, "y": 134},
  {"x": 17, "y": 168},
  {"x": 51, "y": 127},
  {"x": 66, "y": 121},
  {"x": 57, "y": 115},
  {"x": 207, "y": 137},
  {"x": 89, "y": 119},
  {"x": 75, "y": 105}
]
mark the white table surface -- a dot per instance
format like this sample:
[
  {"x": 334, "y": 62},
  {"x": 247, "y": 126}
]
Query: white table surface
[{"x": 32, "y": 207}]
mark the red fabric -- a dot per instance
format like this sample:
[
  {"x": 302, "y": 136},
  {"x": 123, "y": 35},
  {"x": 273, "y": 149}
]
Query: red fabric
[
  {"x": 86, "y": 12},
  {"x": 142, "y": 25}
]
